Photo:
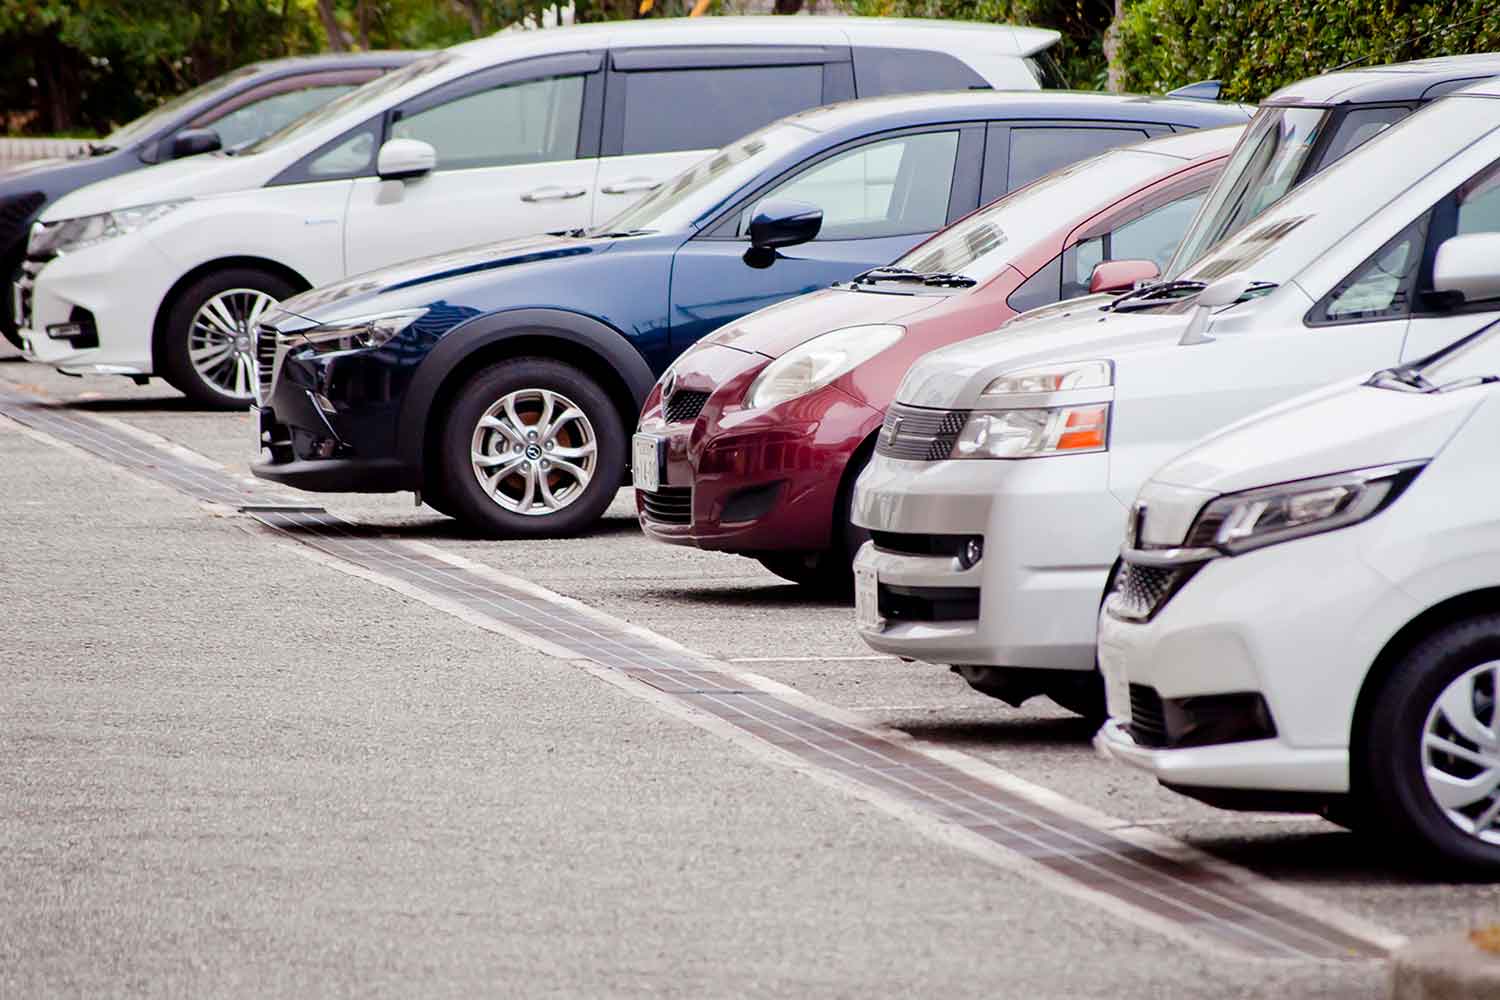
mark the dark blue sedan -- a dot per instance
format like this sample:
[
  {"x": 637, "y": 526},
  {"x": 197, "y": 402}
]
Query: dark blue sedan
[{"x": 500, "y": 382}]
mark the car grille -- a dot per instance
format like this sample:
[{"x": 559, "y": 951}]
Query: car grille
[
  {"x": 928, "y": 604},
  {"x": 1148, "y": 722},
  {"x": 1140, "y": 592},
  {"x": 919, "y": 435},
  {"x": 906, "y": 544},
  {"x": 684, "y": 405},
  {"x": 265, "y": 363},
  {"x": 669, "y": 505}
]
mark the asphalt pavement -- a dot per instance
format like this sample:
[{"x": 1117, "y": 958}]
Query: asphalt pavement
[{"x": 229, "y": 767}]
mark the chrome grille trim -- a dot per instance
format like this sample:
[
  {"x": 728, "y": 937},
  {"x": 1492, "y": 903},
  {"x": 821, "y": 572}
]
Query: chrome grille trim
[{"x": 919, "y": 435}]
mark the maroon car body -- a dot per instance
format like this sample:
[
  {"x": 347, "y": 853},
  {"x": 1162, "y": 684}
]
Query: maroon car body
[{"x": 773, "y": 482}]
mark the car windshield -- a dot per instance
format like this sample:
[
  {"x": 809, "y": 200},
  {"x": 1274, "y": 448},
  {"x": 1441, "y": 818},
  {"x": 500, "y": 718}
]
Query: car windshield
[
  {"x": 353, "y": 101},
  {"x": 702, "y": 188},
  {"x": 1265, "y": 165},
  {"x": 1300, "y": 228},
  {"x": 158, "y": 116},
  {"x": 982, "y": 244}
]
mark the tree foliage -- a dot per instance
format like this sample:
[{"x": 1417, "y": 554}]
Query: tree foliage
[{"x": 1256, "y": 46}]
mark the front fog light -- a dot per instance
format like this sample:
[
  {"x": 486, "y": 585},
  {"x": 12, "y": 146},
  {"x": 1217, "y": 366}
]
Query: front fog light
[{"x": 971, "y": 553}]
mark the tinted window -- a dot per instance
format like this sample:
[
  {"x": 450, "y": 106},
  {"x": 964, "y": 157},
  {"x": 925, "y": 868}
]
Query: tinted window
[
  {"x": 1358, "y": 127},
  {"x": 532, "y": 122},
  {"x": 896, "y": 187},
  {"x": 1035, "y": 152},
  {"x": 1152, "y": 236},
  {"x": 251, "y": 121},
  {"x": 1038, "y": 290},
  {"x": 668, "y": 110},
  {"x": 902, "y": 71}
]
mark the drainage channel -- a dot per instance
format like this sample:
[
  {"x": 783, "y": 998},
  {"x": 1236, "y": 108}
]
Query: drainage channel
[{"x": 1203, "y": 903}]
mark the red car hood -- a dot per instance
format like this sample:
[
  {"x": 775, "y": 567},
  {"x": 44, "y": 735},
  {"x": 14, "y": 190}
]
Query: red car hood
[{"x": 777, "y": 329}]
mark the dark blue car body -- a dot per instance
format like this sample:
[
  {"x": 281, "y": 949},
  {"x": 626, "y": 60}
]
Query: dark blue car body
[{"x": 620, "y": 308}]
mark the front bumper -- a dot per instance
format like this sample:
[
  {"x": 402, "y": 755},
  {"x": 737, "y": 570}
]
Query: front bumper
[
  {"x": 1261, "y": 623},
  {"x": 749, "y": 481},
  {"x": 329, "y": 422},
  {"x": 116, "y": 286},
  {"x": 1050, "y": 529}
]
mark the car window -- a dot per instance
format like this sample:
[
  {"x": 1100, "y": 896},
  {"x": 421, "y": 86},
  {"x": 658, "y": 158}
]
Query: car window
[
  {"x": 160, "y": 115},
  {"x": 895, "y": 187},
  {"x": 904, "y": 71},
  {"x": 1152, "y": 236},
  {"x": 535, "y": 121},
  {"x": 1035, "y": 152},
  {"x": 671, "y": 110},
  {"x": 348, "y": 156},
  {"x": 1381, "y": 287},
  {"x": 1479, "y": 203},
  {"x": 251, "y": 121},
  {"x": 1358, "y": 127}
]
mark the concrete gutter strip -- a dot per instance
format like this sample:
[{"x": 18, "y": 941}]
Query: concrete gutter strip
[{"x": 1446, "y": 967}]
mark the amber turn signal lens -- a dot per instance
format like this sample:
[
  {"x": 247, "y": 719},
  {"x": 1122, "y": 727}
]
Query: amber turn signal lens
[{"x": 1085, "y": 429}]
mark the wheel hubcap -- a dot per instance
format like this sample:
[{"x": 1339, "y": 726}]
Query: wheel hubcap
[
  {"x": 221, "y": 340},
  {"x": 534, "y": 452},
  {"x": 1461, "y": 752}
]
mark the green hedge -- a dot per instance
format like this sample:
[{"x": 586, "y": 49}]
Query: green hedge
[{"x": 1255, "y": 46}]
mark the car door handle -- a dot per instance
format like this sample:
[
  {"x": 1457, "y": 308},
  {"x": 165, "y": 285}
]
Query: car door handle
[
  {"x": 631, "y": 185},
  {"x": 554, "y": 192}
]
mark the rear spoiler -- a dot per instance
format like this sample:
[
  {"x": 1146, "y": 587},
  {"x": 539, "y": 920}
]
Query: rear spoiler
[
  {"x": 1203, "y": 90},
  {"x": 1030, "y": 41}
]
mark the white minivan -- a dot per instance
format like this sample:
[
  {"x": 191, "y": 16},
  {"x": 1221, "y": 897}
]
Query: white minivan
[
  {"x": 1006, "y": 466},
  {"x": 166, "y": 271},
  {"x": 1308, "y": 614}
]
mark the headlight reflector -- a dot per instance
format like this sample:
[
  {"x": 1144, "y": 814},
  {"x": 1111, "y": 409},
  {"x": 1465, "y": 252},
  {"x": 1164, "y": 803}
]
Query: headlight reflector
[
  {"x": 813, "y": 365},
  {"x": 359, "y": 332},
  {"x": 1051, "y": 430},
  {"x": 51, "y": 238},
  {"x": 1053, "y": 378},
  {"x": 1252, "y": 519}
]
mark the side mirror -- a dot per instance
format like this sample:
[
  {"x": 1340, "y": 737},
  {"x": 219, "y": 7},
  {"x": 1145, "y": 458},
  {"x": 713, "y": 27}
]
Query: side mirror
[
  {"x": 1222, "y": 292},
  {"x": 781, "y": 222},
  {"x": 192, "y": 141},
  {"x": 1121, "y": 275},
  {"x": 1203, "y": 90},
  {"x": 402, "y": 159},
  {"x": 1468, "y": 267}
]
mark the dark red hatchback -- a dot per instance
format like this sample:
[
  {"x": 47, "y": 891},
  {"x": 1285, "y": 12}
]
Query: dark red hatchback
[{"x": 768, "y": 422}]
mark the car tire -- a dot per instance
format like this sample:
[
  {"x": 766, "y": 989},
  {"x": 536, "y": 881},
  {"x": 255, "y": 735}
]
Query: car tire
[
  {"x": 1438, "y": 690},
  {"x": 207, "y": 349},
  {"x": 564, "y": 474},
  {"x": 1083, "y": 695}
]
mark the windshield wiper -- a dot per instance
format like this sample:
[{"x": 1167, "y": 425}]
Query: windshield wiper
[
  {"x": 1467, "y": 382},
  {"x": 1405, "y": 378},
  {"x": 101, "y": 149},
  {"x": 1160, "y": 290},
  {"x": 938, "y": 278}
]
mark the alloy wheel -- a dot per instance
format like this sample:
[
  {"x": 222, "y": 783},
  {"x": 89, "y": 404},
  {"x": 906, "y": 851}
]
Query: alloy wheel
[
  {"x": 534, "y": 452},
  {"x": 221, "y": 339},
  {"x": 1461, "y": 752}
]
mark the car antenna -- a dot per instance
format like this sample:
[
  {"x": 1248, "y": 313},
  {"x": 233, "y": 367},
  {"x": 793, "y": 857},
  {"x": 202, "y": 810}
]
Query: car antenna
[{"x": 1414, "y": 38}]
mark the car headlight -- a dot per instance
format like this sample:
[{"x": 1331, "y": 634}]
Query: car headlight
[
  {"x": 1240, "y": 522},
  {"x": 1053, "y": 378},
  {"x": 818, "y": 362},
  {"x": 1032, "y": 433},
  {"x": 359, "y": 332},
  {"x": 51, "y": 238}
]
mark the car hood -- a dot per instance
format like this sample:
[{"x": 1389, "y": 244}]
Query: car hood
[
  {"x": 428, "y": 278},
  {"x": 776, "y": 329},
  {"x": 1346, "y": 426},
  {"x": 30, "y": 167},
  {"x": 953, "y": 377},
  {"x": 190, "y": 177}
]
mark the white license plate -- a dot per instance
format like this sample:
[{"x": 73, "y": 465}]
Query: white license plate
[
  {"x": 1116, "y": 684},
  {"x": 645, "y": 462},
  {"x": 867, "y": 599}
]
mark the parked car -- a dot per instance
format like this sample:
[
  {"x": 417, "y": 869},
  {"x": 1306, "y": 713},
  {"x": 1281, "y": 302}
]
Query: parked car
[
  {"x": 165, "y": 273},
  {"x": 227, "y": 112},
  {"x": 1308, "y": 614},
  {"x": 430, "y": 376},
  {"x": 1031, "y": 441},
  {"x": 764, "y": 426}
]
